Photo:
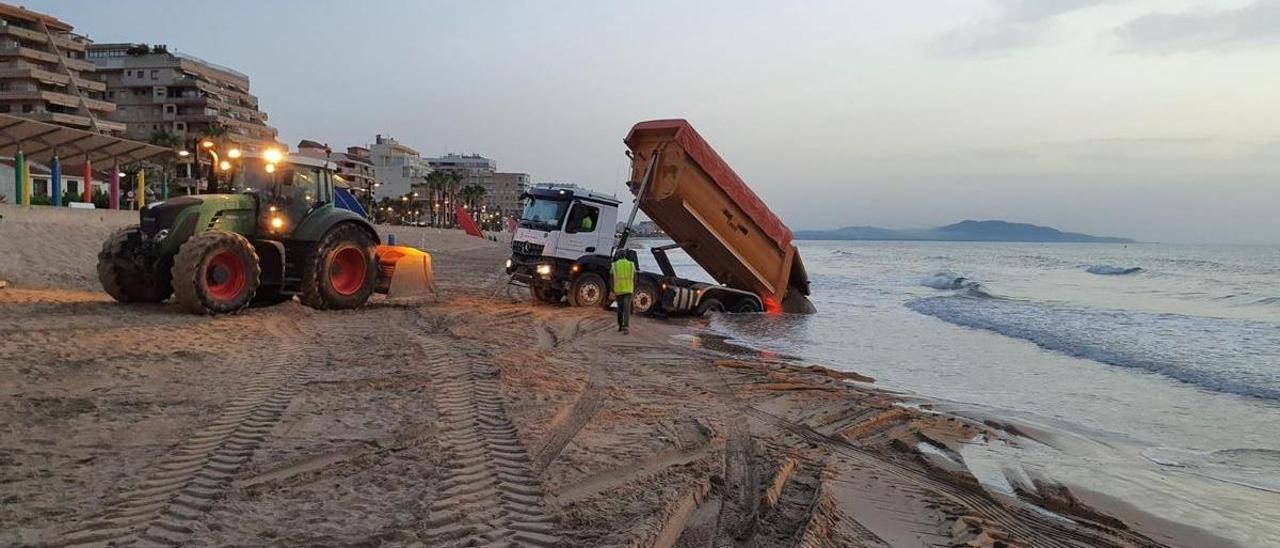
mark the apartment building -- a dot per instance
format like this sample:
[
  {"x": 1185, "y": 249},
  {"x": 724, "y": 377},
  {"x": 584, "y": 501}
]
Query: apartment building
[
  {"x": 159, "y": 91},
  {"x": 397, "y": 167},
  {"x": 44, "y": 74},
  {"x": 501, "y": 190}
]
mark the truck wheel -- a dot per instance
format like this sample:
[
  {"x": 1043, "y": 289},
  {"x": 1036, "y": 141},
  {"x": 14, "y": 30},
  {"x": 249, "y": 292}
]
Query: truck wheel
[
  {"x": 341, "y": 270},
  {"x": 588, "y": 290},
  {"x": 122, "y": 275},
  {"x": 746, "y": 306},
  {"x": 215, "y": 272},
  {"x": 710, "y": 305},
  {"x": 644, "y": 299}
]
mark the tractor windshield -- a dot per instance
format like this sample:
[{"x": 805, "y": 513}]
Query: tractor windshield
[
  {"x": 543, "y": 213},
  {"x": 252, "y": 176}
]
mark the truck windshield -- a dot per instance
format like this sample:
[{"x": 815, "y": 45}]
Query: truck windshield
[{"x": 544, "y": 213}]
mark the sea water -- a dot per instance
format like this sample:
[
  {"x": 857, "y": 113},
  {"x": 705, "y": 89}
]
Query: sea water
[{"x": 1156, "y": 368}]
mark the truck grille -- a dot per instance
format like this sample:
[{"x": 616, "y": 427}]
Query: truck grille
[{"x": 527, "y": 248}]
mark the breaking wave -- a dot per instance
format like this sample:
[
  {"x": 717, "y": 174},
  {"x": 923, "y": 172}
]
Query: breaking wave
[
  {"x": 1108, "y": 270},
  {"x": 1224, "y": 355},
  {"x": 949, "y": 280}
]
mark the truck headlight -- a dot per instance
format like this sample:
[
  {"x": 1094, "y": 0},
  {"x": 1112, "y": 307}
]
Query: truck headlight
[
  {"x": 544, "y": 270},
  {"x": 277, "y": 222},
  {"x": 508, "y": 264}
]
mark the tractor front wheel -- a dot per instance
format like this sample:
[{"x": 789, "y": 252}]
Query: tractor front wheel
[
  {"x": 215, "y": 272},
  {"x": 122, "y": 270},
  {"x": 341, "y": 271}
]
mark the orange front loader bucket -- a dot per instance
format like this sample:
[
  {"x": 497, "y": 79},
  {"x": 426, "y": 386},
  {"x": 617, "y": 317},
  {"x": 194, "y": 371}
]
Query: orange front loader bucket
[{"x": 404, "y": 272}]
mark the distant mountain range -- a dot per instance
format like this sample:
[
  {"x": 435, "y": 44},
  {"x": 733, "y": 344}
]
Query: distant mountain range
[{"x": 963, "y": 231}]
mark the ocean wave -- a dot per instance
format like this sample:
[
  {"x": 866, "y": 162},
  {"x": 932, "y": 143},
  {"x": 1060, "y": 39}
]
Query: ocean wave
[
  {"x": 1108, "y": 270},
  {"x": 1224, "y": 355},
  {"x": 948, "y": 280},
  {"x": 1269, "y": 301}
]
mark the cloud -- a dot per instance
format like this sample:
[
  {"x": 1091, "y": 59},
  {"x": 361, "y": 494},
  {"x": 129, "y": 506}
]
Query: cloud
[
  {"x": 1257, "y": 24},
  {"x": 1017, "y": 24}
]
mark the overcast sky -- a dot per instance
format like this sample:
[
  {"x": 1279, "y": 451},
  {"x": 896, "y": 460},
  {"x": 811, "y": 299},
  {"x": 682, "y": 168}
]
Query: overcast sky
[{"x": 1153, "y": 119}]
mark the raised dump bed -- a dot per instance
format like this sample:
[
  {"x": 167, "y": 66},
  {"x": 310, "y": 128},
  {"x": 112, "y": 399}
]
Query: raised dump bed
[{"x": 698, "y": 200}]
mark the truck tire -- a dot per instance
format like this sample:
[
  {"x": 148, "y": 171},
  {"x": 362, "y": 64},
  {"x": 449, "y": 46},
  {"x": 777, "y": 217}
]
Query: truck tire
[
  {"x": 644, "y": 301},
  {"x": 588, "y": 290},
  {"x": 710, "y": 305},
  {"x": 747, "y": 305},
  {"x": 341, "y": 270},
  {"x": 215, "y": 272},
  {"x": 123, "y": 277}
]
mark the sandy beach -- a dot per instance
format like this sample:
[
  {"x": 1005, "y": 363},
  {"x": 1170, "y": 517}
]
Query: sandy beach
[{"x": 473, "y": 418}]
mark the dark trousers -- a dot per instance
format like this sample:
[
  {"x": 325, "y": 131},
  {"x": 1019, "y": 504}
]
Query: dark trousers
[{"x": 624, "y": 311}]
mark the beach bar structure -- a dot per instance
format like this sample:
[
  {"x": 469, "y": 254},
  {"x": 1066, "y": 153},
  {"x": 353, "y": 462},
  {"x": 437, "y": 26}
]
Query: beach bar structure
[{"x": 62, "y": 149}]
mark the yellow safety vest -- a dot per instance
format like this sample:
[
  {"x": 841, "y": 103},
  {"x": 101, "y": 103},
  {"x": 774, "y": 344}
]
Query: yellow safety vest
[{"x": 624, "y": 276}]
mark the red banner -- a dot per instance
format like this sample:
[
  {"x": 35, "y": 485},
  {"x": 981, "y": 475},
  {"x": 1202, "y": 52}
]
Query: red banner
[{"x": 467, "y": 223}]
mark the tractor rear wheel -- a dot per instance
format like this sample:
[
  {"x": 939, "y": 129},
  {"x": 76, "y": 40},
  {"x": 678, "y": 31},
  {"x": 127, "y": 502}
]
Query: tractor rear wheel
[
  {"x": 341, "y": 271},
  {"x": 215, "y": 272},
  {"x": 123, "y": 274}
]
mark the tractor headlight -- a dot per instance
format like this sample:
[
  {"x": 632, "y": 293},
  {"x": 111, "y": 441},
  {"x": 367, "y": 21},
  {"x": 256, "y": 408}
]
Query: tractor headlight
[{"x": 544, "y": 270}]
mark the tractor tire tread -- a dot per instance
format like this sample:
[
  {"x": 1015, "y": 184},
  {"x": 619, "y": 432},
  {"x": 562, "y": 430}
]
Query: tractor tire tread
[{"x": 186, "y": 269}]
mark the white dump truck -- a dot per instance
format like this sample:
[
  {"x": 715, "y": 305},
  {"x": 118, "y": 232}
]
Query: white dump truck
[{"x": 565, "y": 240}]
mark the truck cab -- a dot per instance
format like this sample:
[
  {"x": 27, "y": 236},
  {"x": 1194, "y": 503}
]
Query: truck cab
[{"x": 564, "y": 233}]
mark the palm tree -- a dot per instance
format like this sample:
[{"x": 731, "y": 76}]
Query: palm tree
[
  {"x": 472, "y": 195},
  {"x": 436, "y": 181},
  {"x": 455, "y": 179}
]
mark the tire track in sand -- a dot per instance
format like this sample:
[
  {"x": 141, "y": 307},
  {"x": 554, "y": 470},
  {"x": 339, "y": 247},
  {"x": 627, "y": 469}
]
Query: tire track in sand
[
  {"x": 188, "y": 481},
  {"x": 489, "y": 493}
]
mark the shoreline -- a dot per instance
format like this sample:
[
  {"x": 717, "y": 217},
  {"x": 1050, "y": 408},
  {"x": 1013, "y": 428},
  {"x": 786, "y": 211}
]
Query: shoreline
[{"x": 400, "y": 424}]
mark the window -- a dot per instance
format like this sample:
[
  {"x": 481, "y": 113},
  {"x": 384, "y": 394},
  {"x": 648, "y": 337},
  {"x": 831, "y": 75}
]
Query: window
[
  {"x": 155, "y": 75},
  {"x": 583, "y": 218},
  {"x": 170, "y": 109}
]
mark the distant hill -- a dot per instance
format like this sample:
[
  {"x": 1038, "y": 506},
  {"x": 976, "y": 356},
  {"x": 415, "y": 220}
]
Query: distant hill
[{"x": 963, "y": 231}]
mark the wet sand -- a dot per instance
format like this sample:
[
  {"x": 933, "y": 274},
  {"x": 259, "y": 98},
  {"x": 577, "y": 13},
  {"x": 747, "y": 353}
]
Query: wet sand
[{"x": 470, "y": 419}]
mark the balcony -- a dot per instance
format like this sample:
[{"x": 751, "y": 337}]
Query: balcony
[
  {"x": 12, "y": 50},
  {"x": 40, "y": 37}
]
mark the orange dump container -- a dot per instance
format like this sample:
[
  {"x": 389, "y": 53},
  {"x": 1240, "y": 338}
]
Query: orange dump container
[{"x": 698, "y": 200}]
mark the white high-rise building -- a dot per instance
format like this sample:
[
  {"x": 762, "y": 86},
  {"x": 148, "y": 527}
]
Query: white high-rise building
[{"x": 396, "y": 166}]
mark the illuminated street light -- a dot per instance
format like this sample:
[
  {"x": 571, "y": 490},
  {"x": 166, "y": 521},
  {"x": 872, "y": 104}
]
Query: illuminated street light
[
  {"x": 207, "y": 144},
  {"x": 272, "y": 155},
  {"x": 183, "y": 153},
  {"x": 224, "y": 165},
  {"x": 233, "y": 153}
]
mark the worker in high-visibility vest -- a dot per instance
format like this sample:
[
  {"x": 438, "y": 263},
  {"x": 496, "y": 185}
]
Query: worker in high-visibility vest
[{"x": 623, "y": 273}]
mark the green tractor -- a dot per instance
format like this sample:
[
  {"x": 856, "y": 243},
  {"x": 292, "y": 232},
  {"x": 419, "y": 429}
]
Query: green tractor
[{"x": 276, "y": 235}]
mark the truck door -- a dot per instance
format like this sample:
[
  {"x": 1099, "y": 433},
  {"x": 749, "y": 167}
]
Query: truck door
[{"x": 581, "y": 232}]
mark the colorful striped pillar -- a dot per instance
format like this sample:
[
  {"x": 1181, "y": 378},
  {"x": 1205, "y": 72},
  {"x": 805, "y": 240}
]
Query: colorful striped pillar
[
  {"x": 113, "y": 188},
  {"x": 55, "y": 181},
  {"x": 19, "y": 165},
  {"x": 26, "y": 185},
  {"x": 88, "y": 181},
  {"x": 142, "y": 188}
]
